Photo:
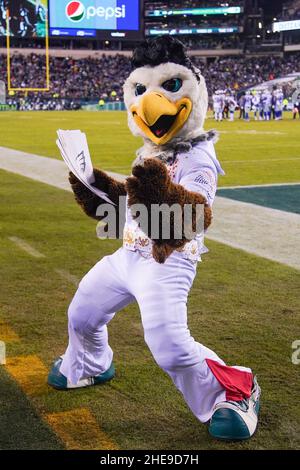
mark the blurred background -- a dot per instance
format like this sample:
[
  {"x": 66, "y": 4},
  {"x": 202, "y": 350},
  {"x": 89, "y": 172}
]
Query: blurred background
[{"x": 237, "y": 44}]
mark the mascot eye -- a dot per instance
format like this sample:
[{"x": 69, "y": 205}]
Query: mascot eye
[
  {"x": 173, "y": 85},
  {"x": 139, "y": 89}
]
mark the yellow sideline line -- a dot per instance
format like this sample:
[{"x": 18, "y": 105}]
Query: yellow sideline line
[
  {"x": 79, "y": 430},
  {"x": 7, "y": 334},
  {"x": 30, "y": 373}
]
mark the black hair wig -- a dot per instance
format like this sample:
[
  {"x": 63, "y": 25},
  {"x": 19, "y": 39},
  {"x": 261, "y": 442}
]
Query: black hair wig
[{"x": 159, "y": 50}]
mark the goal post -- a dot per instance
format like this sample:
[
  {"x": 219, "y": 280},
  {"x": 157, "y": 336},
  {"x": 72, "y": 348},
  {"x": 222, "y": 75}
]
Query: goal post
[{"x": 47, "y": 55}]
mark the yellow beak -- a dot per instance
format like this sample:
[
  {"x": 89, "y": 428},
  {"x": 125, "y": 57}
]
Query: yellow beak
[{"x": 159, "y": 118}]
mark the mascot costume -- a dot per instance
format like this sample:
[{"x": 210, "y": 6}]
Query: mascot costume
[{"x": 166, "y": 99}]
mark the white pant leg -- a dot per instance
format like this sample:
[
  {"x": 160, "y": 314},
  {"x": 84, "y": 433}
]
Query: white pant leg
[
  {"x": 101, "y": 293},
  {"x": 161, "y": 291}
]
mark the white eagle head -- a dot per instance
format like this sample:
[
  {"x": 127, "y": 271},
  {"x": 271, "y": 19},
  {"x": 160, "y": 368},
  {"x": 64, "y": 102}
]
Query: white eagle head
[{"x": 165, "y": 95}]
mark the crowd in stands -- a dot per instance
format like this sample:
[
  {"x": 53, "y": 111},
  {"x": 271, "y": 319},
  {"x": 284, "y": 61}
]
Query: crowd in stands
[
  {"x": 237, "y": 73},
  {"x": 92, "y": 79},
  {"x": 229, "y": 42},
  {"x": 290, "y": 11},
  {"x": 197, "y": 22}
]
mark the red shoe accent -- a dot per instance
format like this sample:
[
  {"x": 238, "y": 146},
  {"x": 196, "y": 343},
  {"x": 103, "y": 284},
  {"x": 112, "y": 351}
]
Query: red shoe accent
[{"x": 237, "y": 383}]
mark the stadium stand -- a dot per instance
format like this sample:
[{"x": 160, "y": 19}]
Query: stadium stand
[
  {"x": 249, "y": 30},
  {"x": 74, "y": 81},
  {"x": 231, "y": 39},
  {"x": 93, "y": 71},
  {"x": 290, "y": 10}
]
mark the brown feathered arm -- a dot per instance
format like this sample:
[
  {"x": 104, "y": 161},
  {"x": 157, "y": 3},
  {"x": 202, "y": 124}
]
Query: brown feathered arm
[
  {"x": 150, "y": 184},
  {"x": 88, "y": 200}
]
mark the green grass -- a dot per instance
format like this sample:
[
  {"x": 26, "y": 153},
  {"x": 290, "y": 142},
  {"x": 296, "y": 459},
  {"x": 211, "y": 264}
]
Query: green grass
[
  {"x": 251, "y": 153},
  {"x": 246, "y": 308}
]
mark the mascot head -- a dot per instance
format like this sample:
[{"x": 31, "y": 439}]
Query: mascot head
[{"x": 165, "y": 95}]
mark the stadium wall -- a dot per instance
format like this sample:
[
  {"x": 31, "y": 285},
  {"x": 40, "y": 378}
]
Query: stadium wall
[
  {"x": 75, "y": 53},
  {"x": 292, "y": 48},
  {"x": 81, "y": 54}
]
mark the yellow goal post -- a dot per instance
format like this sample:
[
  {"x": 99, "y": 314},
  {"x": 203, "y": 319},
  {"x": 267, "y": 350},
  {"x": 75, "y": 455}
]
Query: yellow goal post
[{"x": 8, "y": 49}]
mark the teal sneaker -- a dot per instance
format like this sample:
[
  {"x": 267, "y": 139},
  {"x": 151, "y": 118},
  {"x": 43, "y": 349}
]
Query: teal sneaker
[
  {"x": 236, "y": 420},
  {"x": 58, "y": 381}
]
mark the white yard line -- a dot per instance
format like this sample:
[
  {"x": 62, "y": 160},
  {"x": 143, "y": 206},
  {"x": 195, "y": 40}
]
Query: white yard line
[
  {"x": 23, "y": 245},
  {"x": 44, "y": 169},
  {"x": 259, "y": 186},
  {"x": 265, "y": 232},
  {"x": 68, "y": 277},
  {"x": 252, "y": 132},
  {"x": 260, "y": 160}
]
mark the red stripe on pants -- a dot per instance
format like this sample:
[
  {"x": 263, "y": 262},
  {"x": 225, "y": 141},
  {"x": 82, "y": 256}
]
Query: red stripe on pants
[{"x": 237, "y": 383}]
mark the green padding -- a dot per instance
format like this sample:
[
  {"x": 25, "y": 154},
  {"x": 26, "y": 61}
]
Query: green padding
[{"x": 285, "y": 198}]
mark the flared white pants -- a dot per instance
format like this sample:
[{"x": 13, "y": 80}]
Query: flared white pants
[{"x": 161, "y": 291}]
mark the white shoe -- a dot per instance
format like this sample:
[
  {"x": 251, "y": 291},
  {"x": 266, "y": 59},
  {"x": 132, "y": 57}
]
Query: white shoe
[{"x": 236, "y": 420}]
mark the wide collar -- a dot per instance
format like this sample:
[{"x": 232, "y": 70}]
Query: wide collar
[{"x": 167, "y": 153}]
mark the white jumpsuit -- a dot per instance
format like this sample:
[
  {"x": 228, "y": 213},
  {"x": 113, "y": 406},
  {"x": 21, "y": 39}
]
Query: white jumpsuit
[{"x": 161, "y": 291}]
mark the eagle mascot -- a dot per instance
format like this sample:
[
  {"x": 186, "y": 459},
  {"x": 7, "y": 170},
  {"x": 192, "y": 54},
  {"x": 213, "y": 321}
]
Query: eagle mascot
[{"x": 166, "y": 100}]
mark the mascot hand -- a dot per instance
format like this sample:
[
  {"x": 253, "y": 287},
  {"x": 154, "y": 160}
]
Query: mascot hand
[
  {"x": 87, "y": 200},
  {"x": 90, "y": 202},
  {"x": 81, "y": 192},
  {"x": 148, "y": 184},
  {"x": 112, "y": 187},
  {"x": 151, "y": 184}
]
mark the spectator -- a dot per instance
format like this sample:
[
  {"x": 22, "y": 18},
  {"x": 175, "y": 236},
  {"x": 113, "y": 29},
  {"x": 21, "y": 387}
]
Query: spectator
[{"x": 93, "y": 79}]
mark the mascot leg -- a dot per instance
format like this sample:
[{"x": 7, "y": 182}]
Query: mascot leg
[
  {"x": 206, "y": 383},
  {"x": 88, "y": 358}
]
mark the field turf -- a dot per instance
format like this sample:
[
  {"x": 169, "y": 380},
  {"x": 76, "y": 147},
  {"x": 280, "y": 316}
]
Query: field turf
[
  {"x": 244, "y": 307},
  {"x": 251, "y": 153}
]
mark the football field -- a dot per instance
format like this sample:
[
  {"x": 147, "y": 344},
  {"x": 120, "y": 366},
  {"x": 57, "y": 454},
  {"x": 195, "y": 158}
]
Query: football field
[{"x": 244, "y": 306}]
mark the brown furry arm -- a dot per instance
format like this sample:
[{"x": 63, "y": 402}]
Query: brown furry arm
[
  {"x": 151, "y": 184},
  {"x": 88, "y": 200}
]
